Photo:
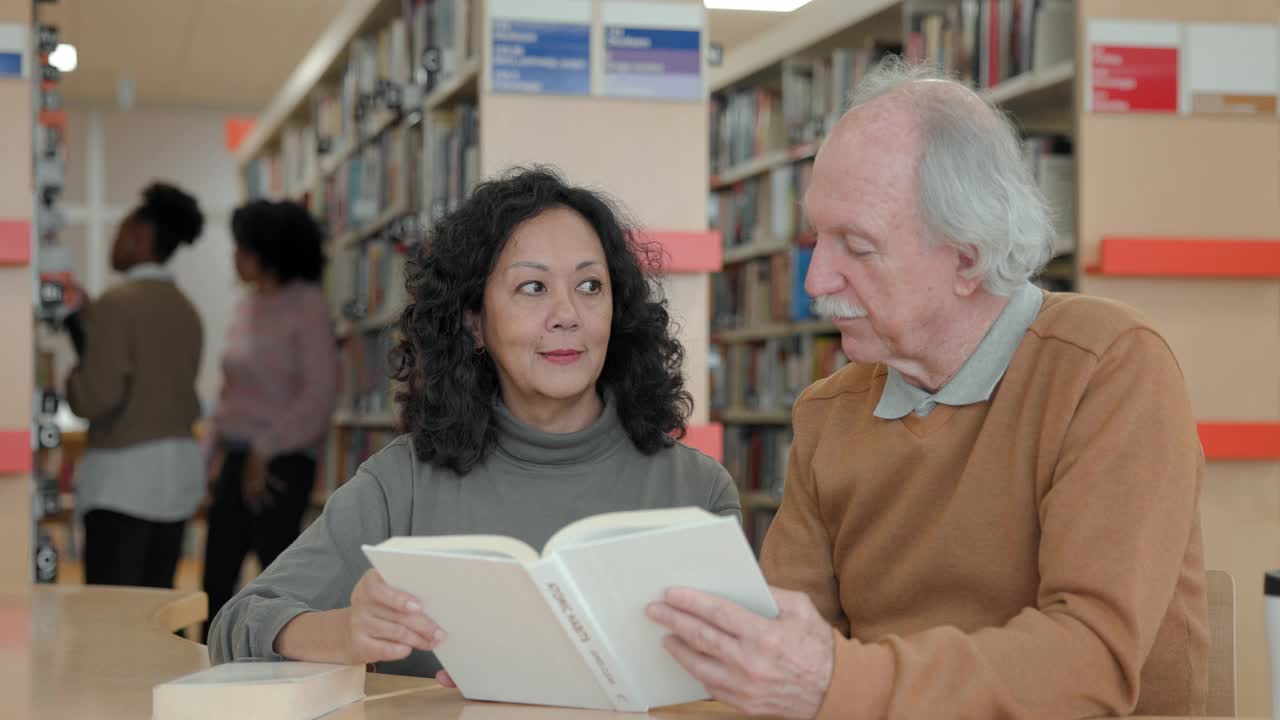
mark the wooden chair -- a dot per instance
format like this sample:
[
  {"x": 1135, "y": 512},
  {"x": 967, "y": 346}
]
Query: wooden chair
[{"x": 1220, "y": 588}]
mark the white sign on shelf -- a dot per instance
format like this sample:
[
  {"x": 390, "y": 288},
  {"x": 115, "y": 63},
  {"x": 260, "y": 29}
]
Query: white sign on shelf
[
  {"x": 14, "y": 40},
  {"x": 1231, "y": 69}
]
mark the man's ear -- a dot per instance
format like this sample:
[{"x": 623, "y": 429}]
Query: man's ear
[
  {"x": 475, "y": 325},
  {"x": 967, "y": 281}
]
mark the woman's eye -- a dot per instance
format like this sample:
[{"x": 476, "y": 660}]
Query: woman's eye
[
  {"x": 591, "y": 286},
  {"x": 533, "y": 287}
]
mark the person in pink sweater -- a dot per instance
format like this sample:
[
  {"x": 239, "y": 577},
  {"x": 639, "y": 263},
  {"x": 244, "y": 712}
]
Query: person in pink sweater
[{"x": 279, "y": 391}]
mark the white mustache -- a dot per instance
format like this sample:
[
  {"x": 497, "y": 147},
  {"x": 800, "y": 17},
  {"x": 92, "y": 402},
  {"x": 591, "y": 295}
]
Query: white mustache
[{"x": 834, "y": 306}]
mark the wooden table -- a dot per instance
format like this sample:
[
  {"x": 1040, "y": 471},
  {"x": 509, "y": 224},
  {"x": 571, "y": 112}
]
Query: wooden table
[{"x": 98, "y": 651}]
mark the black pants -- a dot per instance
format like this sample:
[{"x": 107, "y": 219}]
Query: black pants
[
  {"x": 234, "y": 530},
  {"x": 121, "y": 549}
]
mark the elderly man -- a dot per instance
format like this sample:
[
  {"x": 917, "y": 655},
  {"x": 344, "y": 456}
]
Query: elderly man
[{"x": 996, "y": 504}]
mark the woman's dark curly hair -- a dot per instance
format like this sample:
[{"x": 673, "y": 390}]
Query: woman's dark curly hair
[
  {"x": 449, "y": 389},
  {"x": 174, "y": 217},
  {"x": 283, "y": 236}
]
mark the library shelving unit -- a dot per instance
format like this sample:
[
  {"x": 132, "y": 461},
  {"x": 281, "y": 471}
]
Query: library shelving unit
[
  {"x": 393, "y": 117},
  {"x": 774, "y": 99},
  {"x": 17, "y": 206},
  {"x": 1178, "y": 217}
]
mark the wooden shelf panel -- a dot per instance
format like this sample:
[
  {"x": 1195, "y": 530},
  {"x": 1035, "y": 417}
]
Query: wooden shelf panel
[
  {"x": 1189, "y": 257},
  {"x": 755, "y": 500},
  {"x": 464, "y": 85},
  {"x": 774, "y": 330},
  {"x": 763, "y": 247},
  {"x": 1240, "y": 440},
  {"x": 744, "y": 416},
  {"x": 383, "y": 120},
  {"x": 1053, "y": 81},
  {"x": 761, "y": 165},
  {"x": 375, "y": 421},
  {"x": 351, "y": 238}
]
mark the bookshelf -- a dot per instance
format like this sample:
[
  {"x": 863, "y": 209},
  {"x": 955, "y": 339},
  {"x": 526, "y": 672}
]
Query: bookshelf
[
  {"x": 774, "y": 98},
  {"x": 334, "y": 127}
]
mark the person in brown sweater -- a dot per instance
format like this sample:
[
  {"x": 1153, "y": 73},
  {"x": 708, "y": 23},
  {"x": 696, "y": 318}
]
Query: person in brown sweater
[
  {"x": 993, "y": 511},
  {"x": 142, "y": 475}
]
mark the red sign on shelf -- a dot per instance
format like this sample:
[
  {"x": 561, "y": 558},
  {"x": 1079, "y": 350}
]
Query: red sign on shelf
[{"x": 1134, "y": 79}]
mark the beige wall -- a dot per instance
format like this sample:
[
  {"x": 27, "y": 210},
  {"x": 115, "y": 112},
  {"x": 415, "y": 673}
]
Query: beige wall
[{"x": 1210, "y": 177}]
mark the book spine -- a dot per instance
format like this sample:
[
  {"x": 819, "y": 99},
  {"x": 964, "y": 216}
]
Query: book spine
[{"x": 566, "y": 602}]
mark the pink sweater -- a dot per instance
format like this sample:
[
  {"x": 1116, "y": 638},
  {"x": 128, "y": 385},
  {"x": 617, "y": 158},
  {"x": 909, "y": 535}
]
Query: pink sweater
[{"x": 280, "y": 371}]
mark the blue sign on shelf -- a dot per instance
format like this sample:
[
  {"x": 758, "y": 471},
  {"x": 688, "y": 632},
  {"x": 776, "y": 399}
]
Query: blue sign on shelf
[
  {"x": 653, "y": 63},
  {"x": 541, "y": 58},
  {"x": 10, "y": 64}
]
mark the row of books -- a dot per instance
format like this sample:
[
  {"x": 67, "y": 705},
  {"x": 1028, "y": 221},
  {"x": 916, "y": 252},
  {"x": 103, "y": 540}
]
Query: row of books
[
  {"x": 755, "y": 524},
  {"x": 816, "y": 90},
  {"x": 1052, "y": 163},
  {"x": 986, "y": 42},
  {"x": 756, "y": 457},
  {"x": 366, "y": 386},
  {"x": 745, "y": 124},
  {"x": 386, "y": 72},
  {"x": 771, "y": 374},
  {"x": 453, "y": 141},
  {"x": 762, "y": 291},
  {"x": 372, "y": 182},
  {"x": 764, "y": 209}
]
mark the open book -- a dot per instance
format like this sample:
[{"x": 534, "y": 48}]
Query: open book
[{"x": 568, "y": 627}]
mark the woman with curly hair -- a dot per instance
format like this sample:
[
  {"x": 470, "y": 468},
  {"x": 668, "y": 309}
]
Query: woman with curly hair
[
  {"x": 541, "y": 385},
  {"x": 279, "y": 390},
  {"x": 142, "y": 476}
]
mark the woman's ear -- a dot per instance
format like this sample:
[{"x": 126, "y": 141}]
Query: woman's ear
[{"x": 475, "y": 326}]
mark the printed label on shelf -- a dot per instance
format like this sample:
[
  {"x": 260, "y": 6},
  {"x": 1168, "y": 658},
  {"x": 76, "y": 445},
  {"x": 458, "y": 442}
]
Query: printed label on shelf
[
  {"x": 1231, "y": 69},
  {"x": 1133, "y": 67},
  {"x": 541, "y": 48},
  {"x": 13, "y": 50},
  {"x": 653, "y": 50}
]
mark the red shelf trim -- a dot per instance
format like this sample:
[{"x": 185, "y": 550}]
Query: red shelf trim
[
  {"x": 687, "y": 252},
  {"x": 1240, "y": 440},
  {"x": 15, "y": 242},
  {"x": 1189, "y": 257},
  {"x": 707, "y": 438},
  {"x": 15, "y": 452}
]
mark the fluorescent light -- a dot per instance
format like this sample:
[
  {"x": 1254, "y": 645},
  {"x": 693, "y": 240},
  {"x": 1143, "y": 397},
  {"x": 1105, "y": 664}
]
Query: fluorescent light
[
  {"x": 760, "y": 5},
  {"x": 64, "y": 57}
]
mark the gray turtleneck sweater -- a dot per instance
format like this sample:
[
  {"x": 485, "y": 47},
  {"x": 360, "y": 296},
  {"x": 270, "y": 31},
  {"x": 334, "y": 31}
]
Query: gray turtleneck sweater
[{"x": 531, "y": 484}]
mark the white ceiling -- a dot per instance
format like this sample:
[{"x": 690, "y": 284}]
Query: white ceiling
[
  {"x": 233, "y": 54},
  {"x": 208, "y": 53}
]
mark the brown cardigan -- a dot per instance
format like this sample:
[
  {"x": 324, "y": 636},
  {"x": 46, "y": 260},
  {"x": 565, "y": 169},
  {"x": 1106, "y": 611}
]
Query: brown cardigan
[
  {"x": 1037, "y": 555},
  {"x": 136, "y": 378}
]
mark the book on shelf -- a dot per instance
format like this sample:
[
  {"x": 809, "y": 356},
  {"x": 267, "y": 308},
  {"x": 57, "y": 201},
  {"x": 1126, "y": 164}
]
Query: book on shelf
[
  {"x": 253, "y": 689},
  {"x": 365, "y": 382},
  {"x": 770, "y": 374},
  {"x": 1051, "y": 161},
  {"x": 370, "y": 183},
  {"x": 454, "y": 156},
  {"x": 567, "y": 626},
  {"x": 986, "y": 42},
  {"x": 756, "y": 457},
  {"x": 816, "y": 89}
]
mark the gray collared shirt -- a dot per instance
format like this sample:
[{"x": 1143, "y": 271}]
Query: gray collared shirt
[{"x": 980, "y": 374}]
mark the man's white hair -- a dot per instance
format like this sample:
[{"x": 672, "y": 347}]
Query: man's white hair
[{"x": 976, "y": 189}]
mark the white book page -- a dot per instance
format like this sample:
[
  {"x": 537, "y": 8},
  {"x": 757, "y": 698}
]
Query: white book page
[
  {"x": 619, "y": 577},
  {"x": 609, "y": 525},
  {"x": 503, "y": 641}
]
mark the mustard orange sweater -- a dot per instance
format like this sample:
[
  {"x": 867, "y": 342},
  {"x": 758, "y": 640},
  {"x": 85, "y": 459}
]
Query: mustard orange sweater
[{"x": 1034, "y": 556}]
